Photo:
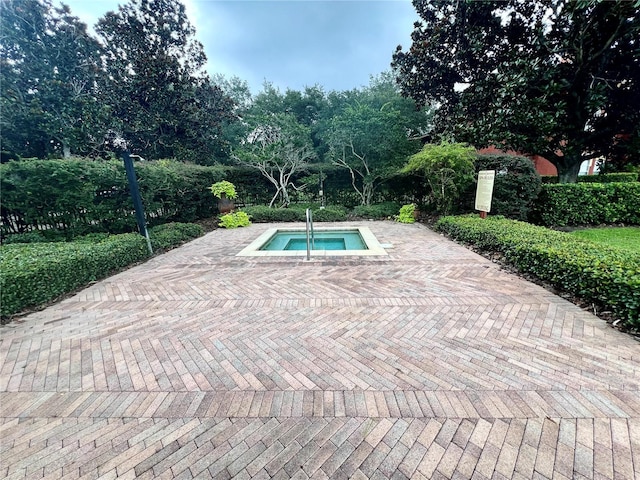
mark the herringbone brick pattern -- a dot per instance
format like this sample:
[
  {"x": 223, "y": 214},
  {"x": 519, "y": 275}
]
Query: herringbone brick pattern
[{"x": 430, "y": 362}]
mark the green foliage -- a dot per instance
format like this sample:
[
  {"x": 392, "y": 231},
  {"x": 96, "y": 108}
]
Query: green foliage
[
  {"x": 36, "y": 273},
  {"x": 516, "y": 184},
  {"x": 406, "y": 214},
  {"x": 264, "y": 214},
  {"x": 169, "y": 235},
  {"x": 80, "y": 196},
  {"x": 225, "y": 187},
  {"x": 154, "y": 80},
  {"x": 448, "y": 169},
  {"x": 26, "y": 237},
  {"x": 606, "y": 275},
  {"x": 534, "y": 79},
  {"x": 583, "y": 204},
  {"x": 279, "y": 148},
  {"x": 330, "y": 214},
  {"x": 235, "y": 220},
  {"x": 33, "y": 274},
  {"x": 377, "y": 211},
  {"x": 372, "y": 133},
  {"x": 609, "y": 178}
]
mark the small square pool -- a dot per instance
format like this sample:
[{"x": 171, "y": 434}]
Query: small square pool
[{"x": 326, "y": 241}]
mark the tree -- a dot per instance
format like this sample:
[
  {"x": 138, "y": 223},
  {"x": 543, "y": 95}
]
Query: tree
[
  {"x": 448, "y": 170},
  {"x": 164, "y": 102},
  {"x": 49, "y": 70},
  {"x": 279, "y": 147},
  {"x": 372, "y": 134},
  {"x": 559, "y": 78}
]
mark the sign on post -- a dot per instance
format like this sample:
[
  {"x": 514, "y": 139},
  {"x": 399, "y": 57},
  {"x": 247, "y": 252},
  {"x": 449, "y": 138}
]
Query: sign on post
[{"x": 484, "y": 191}]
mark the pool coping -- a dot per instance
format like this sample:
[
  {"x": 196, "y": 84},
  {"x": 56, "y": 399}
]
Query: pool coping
[{"x": 373, "y": 245}]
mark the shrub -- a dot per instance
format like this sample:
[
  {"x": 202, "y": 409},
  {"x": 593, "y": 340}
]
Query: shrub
[
  {"x": 406, "y": 214},
  {"x": 333, "y": 213},
  {"x": 622, "y": 177},
  {"x": 33, "y": 274},
  {"x": 171, "y": 235},
  {"x": 605, "y": 275},
  {"x": 448, "y": 170},
  {"x": 516, "y": 184},
  {"x": 262, "y": 214},
  {"x": 377, "y": 211},
  {"x": 234, "y": 220},
  {"x": 26, "y": 237},
  {"x": 587, "y": 204}
]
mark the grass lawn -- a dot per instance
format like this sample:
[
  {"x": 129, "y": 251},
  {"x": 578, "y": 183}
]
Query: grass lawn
[{"x": 622, "y": 237}]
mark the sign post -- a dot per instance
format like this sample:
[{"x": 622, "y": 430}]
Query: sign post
[{"x": 484, "y": 191}]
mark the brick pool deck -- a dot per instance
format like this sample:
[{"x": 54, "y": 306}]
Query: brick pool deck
[{"x": 431, "y": 362}]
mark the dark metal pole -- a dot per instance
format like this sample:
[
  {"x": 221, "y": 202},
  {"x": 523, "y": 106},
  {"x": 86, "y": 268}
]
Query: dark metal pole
[{"x": 135, "y": 195}]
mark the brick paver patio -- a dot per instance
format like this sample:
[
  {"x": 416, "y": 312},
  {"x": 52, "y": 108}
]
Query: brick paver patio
[{"x": 431, "y": 362}]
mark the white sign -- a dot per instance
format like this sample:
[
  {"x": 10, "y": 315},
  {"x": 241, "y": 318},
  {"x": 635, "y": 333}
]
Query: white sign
[{"x": 484, "y": 191}]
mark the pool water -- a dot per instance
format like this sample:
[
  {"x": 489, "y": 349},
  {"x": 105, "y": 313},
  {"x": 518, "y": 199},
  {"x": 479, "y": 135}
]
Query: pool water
[{"x": 284, "y": 240}]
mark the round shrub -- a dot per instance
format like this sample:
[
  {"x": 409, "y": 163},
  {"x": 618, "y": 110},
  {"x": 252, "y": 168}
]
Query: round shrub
[{"x": 516, "y": 185}]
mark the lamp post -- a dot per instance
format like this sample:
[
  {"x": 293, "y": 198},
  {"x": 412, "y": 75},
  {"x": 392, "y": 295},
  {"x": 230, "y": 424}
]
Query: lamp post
[{"x": 135, "y": 196}]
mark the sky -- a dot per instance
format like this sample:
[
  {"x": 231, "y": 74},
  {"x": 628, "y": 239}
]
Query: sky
[{"x": 337, "y": 44}]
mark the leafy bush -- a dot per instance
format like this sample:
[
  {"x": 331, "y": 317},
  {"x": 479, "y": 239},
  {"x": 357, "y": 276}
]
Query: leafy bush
[
  {"x": 171, "y": 235},
  {"x": 234, "y": 220},
  {"x": 622, "y": 177},
  {"x": 262, "y": 214},
  {"x": 26, "y": 237},
  {"x": 84, "y": 196},
  {"x": 599, "y": 178},
  {"x": 516, "y": 184},
  {"x": 606, "y": 275},
  {"x": 448, "y": 169},
  {"x": 332, "y": 213},
  {"x": 406, "y": 214},
  {"x": 376, "y": 211},
  {"x": 225, "y": 187},
  {"x": 36, "y": 273},
  {"x": 585, "y": 204},
  {"x": 33, "y": 274}
]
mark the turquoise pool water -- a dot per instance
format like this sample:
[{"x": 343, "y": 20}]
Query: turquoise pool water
[{"x": 283, "y": 240}]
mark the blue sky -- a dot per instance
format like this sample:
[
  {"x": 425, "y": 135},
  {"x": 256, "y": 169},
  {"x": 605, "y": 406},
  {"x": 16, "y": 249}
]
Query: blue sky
[{"x": 334, "y": 43}]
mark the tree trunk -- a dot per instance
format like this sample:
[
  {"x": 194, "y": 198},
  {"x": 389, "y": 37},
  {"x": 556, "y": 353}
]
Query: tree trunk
[
  {"x": 66, "y": 150},
  {"x": 568, "y": 169}
]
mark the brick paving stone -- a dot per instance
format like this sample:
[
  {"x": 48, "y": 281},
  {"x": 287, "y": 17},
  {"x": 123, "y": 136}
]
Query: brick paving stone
[{"x": 428, "y": 362}]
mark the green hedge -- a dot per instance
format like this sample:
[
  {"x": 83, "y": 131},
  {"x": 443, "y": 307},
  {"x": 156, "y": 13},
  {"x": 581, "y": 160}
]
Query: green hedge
[
  {"x": 378, "y": 211},
  {"x": 609, "y": 178},
  {"x": 599, "y": 178},
  {"x": 606, "y": 275},
  {"x": 35, "y": 273},
  {"x": 83, "y": 196},
  {"x": 587, "y": 204},
  {"x": 295, "y": 213}
]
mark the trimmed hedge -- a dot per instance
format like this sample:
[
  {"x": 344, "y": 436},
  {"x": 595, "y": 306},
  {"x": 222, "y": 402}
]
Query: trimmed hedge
[
  {"x": 295, "y": 213},
  {"x": 83, "y": 196},
  {"x": 598, "y": 178},
  {"x": 609, "y": 178},
  {"x": 36, "y": 273},
  {"x": 378, "y": 211},
  {"x": 594, "y": 272},
  {"x": 587, "y": 204}
]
